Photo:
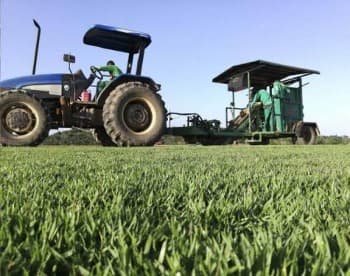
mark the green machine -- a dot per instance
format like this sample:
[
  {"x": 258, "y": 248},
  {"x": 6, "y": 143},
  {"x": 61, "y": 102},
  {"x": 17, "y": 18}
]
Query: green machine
[{"x": 274, "y": 109}]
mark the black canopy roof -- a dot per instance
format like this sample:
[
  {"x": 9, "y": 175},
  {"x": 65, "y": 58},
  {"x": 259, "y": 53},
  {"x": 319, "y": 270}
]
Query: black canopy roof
[
  {"x": 262, "y": 73},
  {"x": 117, "y": 39}
]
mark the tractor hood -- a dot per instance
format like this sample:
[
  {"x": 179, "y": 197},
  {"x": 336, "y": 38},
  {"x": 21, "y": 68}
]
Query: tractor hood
[{"x": 32, "y": 80}]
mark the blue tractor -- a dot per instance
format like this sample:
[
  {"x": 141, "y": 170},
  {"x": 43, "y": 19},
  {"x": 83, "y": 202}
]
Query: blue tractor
[{"x": 127, "y": 112}]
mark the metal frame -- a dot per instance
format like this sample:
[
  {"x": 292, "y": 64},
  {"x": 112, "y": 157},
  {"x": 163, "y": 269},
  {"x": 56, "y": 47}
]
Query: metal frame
[
  {"x": 130, "y": 61},
  {"x": 140, "y": 61}
]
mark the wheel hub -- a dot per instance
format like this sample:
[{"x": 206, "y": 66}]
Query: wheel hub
[
  {"x": 137, "y": 116},
  {"x": 19, "y": 120}
]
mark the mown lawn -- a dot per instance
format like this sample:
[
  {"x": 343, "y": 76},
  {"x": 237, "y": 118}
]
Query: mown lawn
[{"x": 175, "y": 210}]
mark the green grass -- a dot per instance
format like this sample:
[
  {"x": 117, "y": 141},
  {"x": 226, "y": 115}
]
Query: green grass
[{"x": 177, "y": 209}]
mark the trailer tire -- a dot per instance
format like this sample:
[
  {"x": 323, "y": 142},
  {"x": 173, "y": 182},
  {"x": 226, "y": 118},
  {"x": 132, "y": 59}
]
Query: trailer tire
[
  {"x": 134, "y": 115},
  {"x": 23, "y": 120},
  {"x": 190, "y": 140},
  {"x": 264, "y": 142},
  {"x": 211, "y": 141},
  {"x": 102, "y": 137},
  {"x": 308, "y": 135}
]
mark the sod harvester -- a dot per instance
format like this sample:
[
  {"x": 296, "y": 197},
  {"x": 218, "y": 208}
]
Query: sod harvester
[
  {"x": 284, "y": 85},
  {"x": 130, "y": 112}
]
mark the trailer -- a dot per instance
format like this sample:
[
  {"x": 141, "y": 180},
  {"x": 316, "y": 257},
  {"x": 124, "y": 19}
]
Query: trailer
[{"x": 280, "y": 116}]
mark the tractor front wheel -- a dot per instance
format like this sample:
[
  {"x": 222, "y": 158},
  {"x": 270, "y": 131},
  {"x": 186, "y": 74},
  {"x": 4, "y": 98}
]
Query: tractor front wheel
[
  {"x": 134, "y": 115},
  {"x": 23, "y": 120}
]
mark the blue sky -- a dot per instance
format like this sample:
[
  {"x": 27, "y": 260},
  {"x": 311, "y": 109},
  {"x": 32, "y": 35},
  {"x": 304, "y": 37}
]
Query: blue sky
[{"x": 192, "y": 42}]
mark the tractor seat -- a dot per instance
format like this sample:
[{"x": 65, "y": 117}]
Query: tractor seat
[{"x": 81, "y": 82}]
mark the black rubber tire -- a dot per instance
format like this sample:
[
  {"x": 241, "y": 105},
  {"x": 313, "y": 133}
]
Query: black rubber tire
[
  {"x": 102, "y": 137},
  {"x": 30, "y": 111},
  {"x": 134, "y": 115},
  {"x": 308, "y": 136},
  {"x": 212, "y": 141},
  {"x": 190, "y": 139},
  {"x": 265, "y": 141}
]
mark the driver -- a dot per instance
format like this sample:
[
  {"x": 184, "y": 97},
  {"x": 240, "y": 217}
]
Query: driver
[
  {"x": 113, "y": 70},
  {"x": 264, "y": 97}
]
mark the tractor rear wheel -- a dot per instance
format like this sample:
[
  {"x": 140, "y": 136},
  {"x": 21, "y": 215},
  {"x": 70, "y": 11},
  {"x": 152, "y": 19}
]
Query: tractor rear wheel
[
  {"x": 134, "y": 115},
  {"x": 23, "y": 120},
  {"x": 308, "y": 135},
  {"x": 102, "y": 137}
]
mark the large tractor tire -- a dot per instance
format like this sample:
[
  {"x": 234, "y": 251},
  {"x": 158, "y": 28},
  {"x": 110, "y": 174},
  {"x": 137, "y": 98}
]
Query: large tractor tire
[
  {"x": 23, "y": 120},
  {"x": 134, "y": 115},
  {"x": 308, "y": 135},
  {"x": 102, "y": 137}
]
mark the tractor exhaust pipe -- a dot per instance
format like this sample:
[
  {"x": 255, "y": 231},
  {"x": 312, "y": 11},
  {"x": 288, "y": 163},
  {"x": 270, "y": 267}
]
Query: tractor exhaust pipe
[{"x": 36, "y": 46}]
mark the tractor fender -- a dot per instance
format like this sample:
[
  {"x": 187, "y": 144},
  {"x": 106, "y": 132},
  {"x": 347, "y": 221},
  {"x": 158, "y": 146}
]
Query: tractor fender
[
  {"x": 299, "y": 125},
  {"x": 124, "y": 79}
]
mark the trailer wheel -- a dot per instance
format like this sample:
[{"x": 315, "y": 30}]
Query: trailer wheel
[
  {"x": 102, "y": 137},
  {"x": 308, "y": 135},
  {"x": 265, "y": 141},
  {"x": 23, "y": 120},
  {"x": 134, "y": 115},
  {"x": 211, "y": 141},
  {"x": 190, "y": 139}
]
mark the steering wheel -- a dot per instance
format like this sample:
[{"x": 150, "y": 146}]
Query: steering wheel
[{"x": 96, "y": 72}]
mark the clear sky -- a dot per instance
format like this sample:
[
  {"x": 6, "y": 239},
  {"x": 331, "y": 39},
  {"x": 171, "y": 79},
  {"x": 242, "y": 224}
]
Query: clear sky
[{"x": 192, "y": 42}]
